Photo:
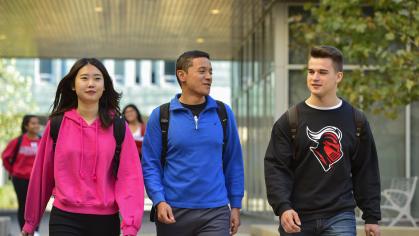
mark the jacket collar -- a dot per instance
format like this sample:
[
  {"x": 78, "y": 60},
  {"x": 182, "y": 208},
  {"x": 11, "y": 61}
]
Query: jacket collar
[{"x": 175, "y": 104}]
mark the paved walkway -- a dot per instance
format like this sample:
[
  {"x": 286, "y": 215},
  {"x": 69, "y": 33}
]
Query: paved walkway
[{"x": 147, "y": 228}]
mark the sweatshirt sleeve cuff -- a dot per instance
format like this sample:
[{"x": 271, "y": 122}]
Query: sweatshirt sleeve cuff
[
  {"x": 129, "y": 230},
  {"x": 28, "y": 228},
  {"x": 281, "y": 209},
  {"x": 236, "y": 202},
  {"x": 371, "y": 220},
  {"x": 157, "y": 198}
]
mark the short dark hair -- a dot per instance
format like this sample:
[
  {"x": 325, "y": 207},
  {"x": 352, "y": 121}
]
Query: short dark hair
[
  {"x": 331, "y": 52},
  {"x": 185, "y": 60},
  {"x": 139, "y": 117},
  {"x": 66, "y": 97},
  {"x": 25, "y": 121}
]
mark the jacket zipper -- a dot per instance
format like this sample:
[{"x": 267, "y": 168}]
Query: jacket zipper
[{"x": 196, "y": 122}]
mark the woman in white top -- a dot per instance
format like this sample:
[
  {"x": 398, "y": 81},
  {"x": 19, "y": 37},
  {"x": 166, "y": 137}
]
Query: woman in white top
[{"x": 136, "y": 124}]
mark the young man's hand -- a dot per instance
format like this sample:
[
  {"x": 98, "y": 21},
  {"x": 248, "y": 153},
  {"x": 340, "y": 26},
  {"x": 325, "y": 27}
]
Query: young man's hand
[
  {"x": 164, "y": 213},
  {"x": 234, "y": 220},
  {"x": 372, "y": 230},
  {"x": 290, "y": 221}
]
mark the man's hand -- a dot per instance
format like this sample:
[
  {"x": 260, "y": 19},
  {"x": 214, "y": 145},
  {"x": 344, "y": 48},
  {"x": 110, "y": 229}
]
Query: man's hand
[
  {"x": 234, "y": 220},
  {"x": 372, "y": 230},
  {"x": 164, "y": 213},
  {"x": 290, "y": 221}
]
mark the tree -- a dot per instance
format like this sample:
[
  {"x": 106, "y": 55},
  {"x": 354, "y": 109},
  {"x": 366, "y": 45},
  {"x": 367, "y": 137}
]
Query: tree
[
  {"x": 15, "y": 101},
  {"x": 381, "y": 37}
]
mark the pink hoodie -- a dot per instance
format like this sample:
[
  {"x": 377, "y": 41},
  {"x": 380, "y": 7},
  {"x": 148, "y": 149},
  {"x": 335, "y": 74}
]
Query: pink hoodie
[{"x": 79, "y": 175}]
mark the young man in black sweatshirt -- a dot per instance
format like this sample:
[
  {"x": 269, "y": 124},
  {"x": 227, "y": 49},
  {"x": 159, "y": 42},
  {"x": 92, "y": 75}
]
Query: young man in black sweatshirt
[{"x": 315, "y": 179}]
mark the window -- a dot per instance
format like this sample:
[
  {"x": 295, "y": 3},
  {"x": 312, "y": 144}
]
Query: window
[
  {"x": 45, "y": 70},
  {"x": 119, "y": 71},
  {"x": 138, "y": 72},
  {"x": 170, "y": 72},
  {"x": 154, "y": 72}
]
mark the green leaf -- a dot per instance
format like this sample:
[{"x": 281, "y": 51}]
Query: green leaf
[
  {"x": 390, "y": 36},
  {"x": 409, "y": 85}
]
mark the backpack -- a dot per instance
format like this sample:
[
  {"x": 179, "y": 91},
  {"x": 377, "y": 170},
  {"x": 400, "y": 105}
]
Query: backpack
[
  {"x": 118, "y": 133},
  {"x": 292, "y": 114},
  {"x": 164, "y": 125}
]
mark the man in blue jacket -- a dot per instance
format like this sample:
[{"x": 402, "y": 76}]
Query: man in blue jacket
[{"x": 200, "y": 177}]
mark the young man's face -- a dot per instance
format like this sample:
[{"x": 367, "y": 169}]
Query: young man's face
[
  {"x": 322, "y": 78},
  {"x": 197, "y": 80}
]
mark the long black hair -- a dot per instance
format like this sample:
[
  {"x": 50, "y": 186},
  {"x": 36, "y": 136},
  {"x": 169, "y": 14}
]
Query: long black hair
[
  {"x": 25, "y": 121},
  {"x": 139, "y": 117},
  {"x": 66, "y": 97}
]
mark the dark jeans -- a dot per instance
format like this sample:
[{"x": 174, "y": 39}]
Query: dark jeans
[
  {"x": 342, "y": 224},
  {"x": 21, "y": 189},
  {"x": 62, "y": 223},
  {"x": 197, "y": 222}
]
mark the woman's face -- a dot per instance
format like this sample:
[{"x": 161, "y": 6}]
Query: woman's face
[
  {"x": 89, "y": 84},
  {"x": 130, "y": 114},
  {"x": 33, "y": 126}
]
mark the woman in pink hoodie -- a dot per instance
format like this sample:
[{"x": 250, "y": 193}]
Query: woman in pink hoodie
[{"x": 78, "y": 172}]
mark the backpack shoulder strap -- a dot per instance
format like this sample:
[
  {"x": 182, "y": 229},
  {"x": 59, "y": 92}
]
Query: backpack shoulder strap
[
  {"x": 359, "y": 119},
  {"x": 55, "y": 128},
  {"x": 292, "y": 115},
  {"x": 222, "y": 115},
  {"x": 119, "y": 135},
  {"x": 119, "y": 130},
  {"x": 164, "y": 125},
  {"x": 16, "y": 151}
]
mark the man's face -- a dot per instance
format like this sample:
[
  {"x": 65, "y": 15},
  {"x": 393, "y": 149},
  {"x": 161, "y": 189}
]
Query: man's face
[
  {"x": 198, "y": 78},
  {"x": 322, "y": 78}
]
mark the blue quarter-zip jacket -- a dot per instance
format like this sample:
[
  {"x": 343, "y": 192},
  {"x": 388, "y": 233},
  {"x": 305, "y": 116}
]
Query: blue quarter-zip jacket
[{"x": 197, "y": 174}]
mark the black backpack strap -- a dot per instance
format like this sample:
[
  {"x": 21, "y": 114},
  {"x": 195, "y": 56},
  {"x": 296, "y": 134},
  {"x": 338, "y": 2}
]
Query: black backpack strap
[
  {"x": 119, "y": 135},
  {"x": 222, "y": 115},
  {"x": 164, "y": 125},
  {"x": 16, "y": 151},
  {"x": 359, "y": 119},
  {"x": 292, "y": 115},
  {"x": 55, "y": 129}
]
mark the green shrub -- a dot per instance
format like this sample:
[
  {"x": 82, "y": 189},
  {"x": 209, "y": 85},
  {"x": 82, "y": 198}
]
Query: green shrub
[{"x": 7, "y": 197}]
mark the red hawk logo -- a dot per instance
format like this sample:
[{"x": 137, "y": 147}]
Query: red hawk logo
[{"x": 328, "y": 149}]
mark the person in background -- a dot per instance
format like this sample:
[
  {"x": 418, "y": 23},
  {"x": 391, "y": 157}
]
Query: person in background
[
  {"x": 135, "y": 123},
  {"x": 79, "y": 168},
  {"x": 18, "y": 158}
]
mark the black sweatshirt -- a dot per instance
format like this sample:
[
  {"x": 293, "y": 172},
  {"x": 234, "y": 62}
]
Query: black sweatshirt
[{"x": 331, "y": 169}]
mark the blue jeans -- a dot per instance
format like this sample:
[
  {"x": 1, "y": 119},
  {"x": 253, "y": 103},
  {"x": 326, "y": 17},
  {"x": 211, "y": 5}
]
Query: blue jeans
[{"x": 342, "y": 224}]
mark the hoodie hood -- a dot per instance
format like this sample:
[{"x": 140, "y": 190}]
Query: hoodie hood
[{"x": 88, "y": 142}]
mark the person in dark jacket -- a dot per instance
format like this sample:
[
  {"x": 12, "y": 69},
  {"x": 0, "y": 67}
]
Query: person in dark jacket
[
  {"x": 315, "y": 180},
  {"x": 200, "y": 177}
]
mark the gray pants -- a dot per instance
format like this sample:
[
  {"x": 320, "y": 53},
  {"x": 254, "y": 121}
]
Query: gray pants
[{"x": 194, "y": 222}]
